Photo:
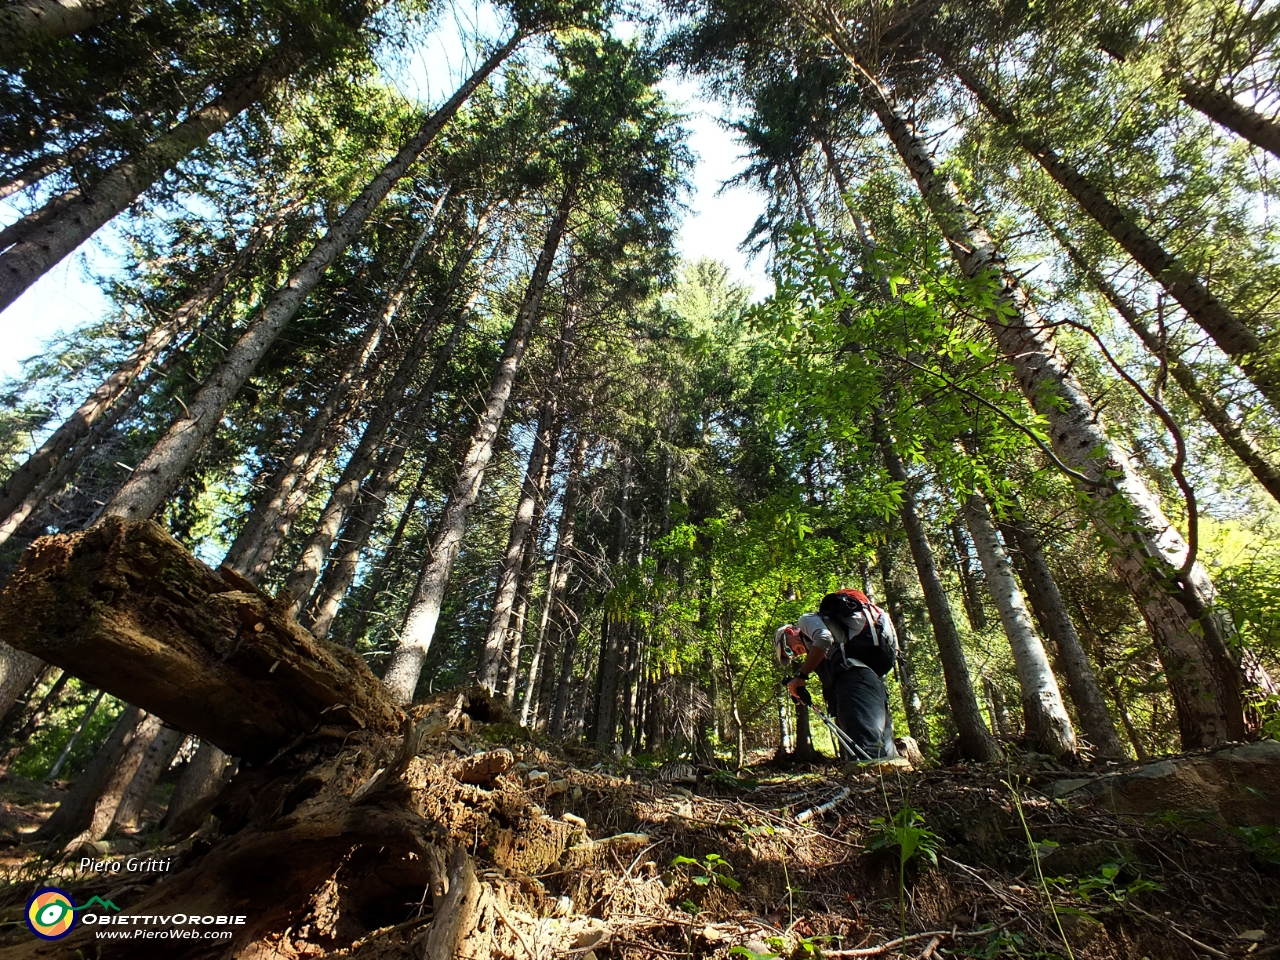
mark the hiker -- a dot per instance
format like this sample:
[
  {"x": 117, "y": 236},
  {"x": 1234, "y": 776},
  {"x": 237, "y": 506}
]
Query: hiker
[{"x": 851, "y": 644}]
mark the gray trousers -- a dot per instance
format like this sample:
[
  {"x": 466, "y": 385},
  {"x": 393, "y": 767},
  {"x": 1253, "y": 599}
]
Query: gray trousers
[{"x": 858, "y": 701}]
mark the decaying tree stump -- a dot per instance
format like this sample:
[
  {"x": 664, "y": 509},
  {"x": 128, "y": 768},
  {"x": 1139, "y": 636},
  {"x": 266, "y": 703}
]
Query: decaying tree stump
[
  {"x": 344, "y": 813},
  {"x": 125, "y": 607}
]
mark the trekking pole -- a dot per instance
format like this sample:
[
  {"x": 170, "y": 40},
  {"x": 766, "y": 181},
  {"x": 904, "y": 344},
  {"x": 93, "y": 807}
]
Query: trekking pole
[{"x": 841, "y": 737}]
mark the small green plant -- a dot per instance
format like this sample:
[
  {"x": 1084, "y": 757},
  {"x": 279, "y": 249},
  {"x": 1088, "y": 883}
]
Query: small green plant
[
  {"x": 1106, "y": 882},
  {"x": 714, "y": 868},
  {"x": 1005, "y": 943},
  {"x": 805, "y": 946},
  {"x": 906, "y": 831},
  {"x": 741, "y": 951},
  {"x": 1263, "y": 842}
]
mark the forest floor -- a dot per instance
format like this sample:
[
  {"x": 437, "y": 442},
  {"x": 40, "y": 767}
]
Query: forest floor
[{"x": 582, "y": 856}]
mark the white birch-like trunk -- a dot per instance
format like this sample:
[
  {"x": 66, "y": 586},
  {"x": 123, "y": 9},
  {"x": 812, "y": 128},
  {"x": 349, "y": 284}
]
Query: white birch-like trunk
[
  {"x": 163, "y": 468},
  {"x": 1048, "y": 727},
  {"x": 1145, "y": 549},
  {"x": 976, "y": 742},
  {"x": 1082, "y": 684},
  {"x": 405, "y": 666}
]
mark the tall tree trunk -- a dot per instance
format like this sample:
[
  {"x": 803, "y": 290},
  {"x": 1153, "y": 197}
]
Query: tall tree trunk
[
  {"x": 18, "y": 670},
  {"x": 613, "y": 633},
  {"x": 360, "y": 618},
  {"x": 340, "y": 573},
  {"x": 908, "y": 681},
  {"x": 40, "y": 167},
  {"x": 69, "y": 464},
  {"x": 558, "y": 714},
  {"x": 343, "y": 496},
  {"x": 28, "y": 23},
  {"x": 72, "y": 740},
  {"x": 555, "y": 614},
  {"x": 1048, "y": 727},
  {"x": 405, "y": 665},
  {"x": 267, "y": 526},
  {"x": 529, "y": 566},
  {"x": 969, "y": 586},
  {"x": 1226, "y": 111},
  {"x": 1002, "y": 724},
  {"x": 1228, "y": 427},
  {"x": 41, "y": 240},
  {"x": 35, "y": 719},
  {"x": 170, "y": 458},
  {"x": 975, "y": 742},
  {"x": 531, "y": 493},
  {"x": 76, "y": 428},
  {"x": 1235, "y": 338},
  {"x": 631, "y": 660},
  {"x": 89, "y": 807},
  {"x": 154, "y": 763},
  {"x": 1047, "y": 602},
  {"x": 199, "y": 781},
  {"x": 1131, "y": 731},
  {"x": 1145, "y": 548}
]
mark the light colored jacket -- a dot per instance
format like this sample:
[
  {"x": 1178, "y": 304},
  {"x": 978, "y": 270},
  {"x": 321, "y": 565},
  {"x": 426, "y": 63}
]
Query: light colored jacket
[{"x": 825, "y": 634}]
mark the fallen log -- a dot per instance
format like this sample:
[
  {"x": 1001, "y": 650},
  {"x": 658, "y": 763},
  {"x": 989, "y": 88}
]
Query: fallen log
[{"x": 125, "y": 607}]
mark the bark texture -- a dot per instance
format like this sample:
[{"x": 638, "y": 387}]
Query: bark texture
[
  {"x": 159, "y": 754},
  {"x": 18, "y": 670},
  {"x": 193, "y": 795},
  {"x": 1226, "y": 111},
  {"x": 1145, "y": 549},
  {"x": 1237, "y": 339},
  {"x": 26, "y": 23},
  {"x": 1048, "y": 728},
  {"x": 172, "y": 455},
  {"x": 1047, "y": 602},
  {"x": 1231, "y": 429},
  {"x": 90, "y": 806},
  {"x": 405, "y": 665},
  {"x": 975, "y": 742},
  {"x": 126, "y": 608}
]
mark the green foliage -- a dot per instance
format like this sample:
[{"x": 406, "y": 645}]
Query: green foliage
[
  {"x": 1262, "y": 841},
  {"x": 905, "y": 830},
  {"x": 40, "y": 753},
  {"x": 711, "y": 870},
  {"x": 1109, "y": 883}
]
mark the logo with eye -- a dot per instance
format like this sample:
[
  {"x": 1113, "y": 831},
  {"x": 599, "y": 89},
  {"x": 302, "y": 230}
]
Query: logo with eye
[{"x": 51, "y": 913}]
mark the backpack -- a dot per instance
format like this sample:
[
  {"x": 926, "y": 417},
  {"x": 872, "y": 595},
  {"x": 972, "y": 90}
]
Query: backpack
[{"x": 876, "y": 644}]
